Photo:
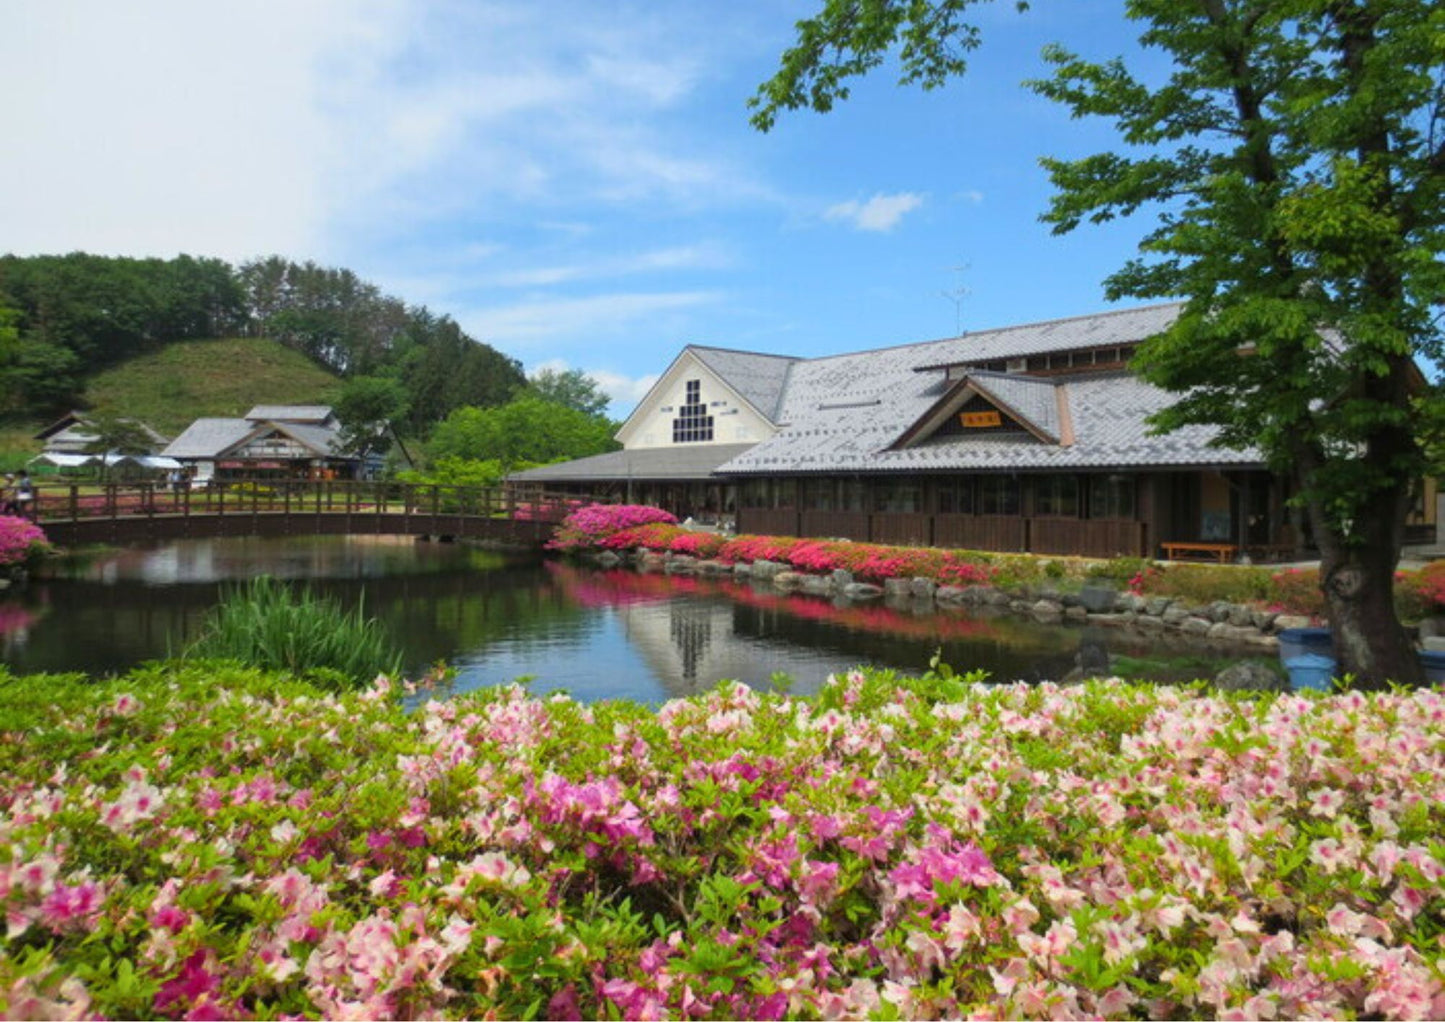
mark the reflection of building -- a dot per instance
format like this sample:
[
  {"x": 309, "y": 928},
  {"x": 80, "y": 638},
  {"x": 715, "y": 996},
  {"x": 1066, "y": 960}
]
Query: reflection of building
[
  {"x": 1030, "y": 438},
  {"x": 270, "y": 442}
]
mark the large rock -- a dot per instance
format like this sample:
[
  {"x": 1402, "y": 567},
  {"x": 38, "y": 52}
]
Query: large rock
[
  {"x": 1250, "y": 676},
  {"x": 767, "y": 569},
  {"x": 862, "y": 591},
  {"x": 1241, "y": 617},
  {"x": 1132, "y": 603},
  {"x": 789, "y": 580},
  {"x": 609, "y": 559},
  {"x": 922, "y": 588},
  {"x": 1098, "y": 599},
  {"x": 713, "y": 568},
  {"x": 1431, "y": 627},
  {"x": 1047, "y": 609},
  {"x": 951, "y": 594},
  {"x": 1287, "y": 621},
  {"x": 1149, "y": 623},
  {"x": 1219, "y": 610},
  {"x": 1076, "y": 613},
  {"x": 815, "y": 585},
  {"x": 1157, "y": 605},
  {"x": 1196, "y": 626},
  {"x": 1262, "y": 619},
  {"x": 996, "y": 597},
  {"x": 1223, "y": 631},
  {"x": 1175, "y": 616},
  {"x": 681, "y": 565},
  {"x": 898, "y": 587},
  {"x": 1433, "y": 643},
  {"x": 842, "y": 578}
]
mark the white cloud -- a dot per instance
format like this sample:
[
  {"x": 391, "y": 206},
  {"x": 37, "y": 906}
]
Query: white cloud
[
  {"x": 530, "y": 322},
  {"x": 680, "y": 257},
  {"x": 880, "y": 213}
]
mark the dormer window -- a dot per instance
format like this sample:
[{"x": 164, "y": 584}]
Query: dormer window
[{"x": 693, "y": 424}]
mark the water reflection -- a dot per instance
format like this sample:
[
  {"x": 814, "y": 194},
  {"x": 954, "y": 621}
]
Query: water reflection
[{"x": 598, "y": 634}]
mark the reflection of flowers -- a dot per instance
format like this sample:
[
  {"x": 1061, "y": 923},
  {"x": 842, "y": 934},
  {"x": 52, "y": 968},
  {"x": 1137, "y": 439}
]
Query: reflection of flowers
[
  {"x": 14, "y": 618},
  {"x": 622, "y": 588}
]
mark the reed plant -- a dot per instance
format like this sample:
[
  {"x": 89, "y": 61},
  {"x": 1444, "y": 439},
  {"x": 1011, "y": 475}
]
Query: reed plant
[{"x": 269, "y": 625}]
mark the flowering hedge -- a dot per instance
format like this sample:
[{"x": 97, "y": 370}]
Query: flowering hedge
[
  {"x": 220, "y": 844},
  {"x": 20, "y": 541},
  {"x": 586, "y": 526}
]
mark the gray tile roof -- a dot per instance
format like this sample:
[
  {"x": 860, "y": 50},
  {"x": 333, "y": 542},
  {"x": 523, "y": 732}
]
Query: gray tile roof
[
  {"x": 680, "y": 462},
  {"x": 205, "y": 438},
  {"x": 1103, "y": 329},
  {"x": 1033, "y": 397},
  {"x": 842, "y": 413},
  {"x": 758, "y": 378},
  {"x": 289, "y": 413}
]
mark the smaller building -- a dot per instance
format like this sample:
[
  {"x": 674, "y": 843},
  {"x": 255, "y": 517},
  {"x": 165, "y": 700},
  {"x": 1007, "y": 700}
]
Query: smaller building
[
  {"x": 74, "y": 434},
  {"x": 271, "y": 442}
]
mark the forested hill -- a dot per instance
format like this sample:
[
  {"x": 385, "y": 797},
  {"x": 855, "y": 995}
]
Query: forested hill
[{"x": 65, "y": 318}]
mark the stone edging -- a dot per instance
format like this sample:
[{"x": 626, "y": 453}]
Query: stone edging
[{"x": 1099, "y": 604}]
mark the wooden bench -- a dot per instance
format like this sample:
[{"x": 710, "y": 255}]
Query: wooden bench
[{"x": 1221, "y": 552}]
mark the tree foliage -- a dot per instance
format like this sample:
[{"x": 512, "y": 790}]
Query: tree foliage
[
  {"x": 527, "y": 429},
  {"x": 1294, "y": 161},
  {"x": 570, "y": 387},
  {"x": 73, "y": 315},
  {"x": 368, "y": 408}
]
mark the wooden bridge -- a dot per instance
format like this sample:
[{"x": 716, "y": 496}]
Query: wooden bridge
[{"x": 135, "y": 513}]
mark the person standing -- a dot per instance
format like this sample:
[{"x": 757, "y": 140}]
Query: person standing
[
  {"x": 7, "y": 495},
  {"x": 24, "y": 495}
]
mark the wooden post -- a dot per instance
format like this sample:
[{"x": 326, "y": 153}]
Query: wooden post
[{"x": 74, "y": 502}]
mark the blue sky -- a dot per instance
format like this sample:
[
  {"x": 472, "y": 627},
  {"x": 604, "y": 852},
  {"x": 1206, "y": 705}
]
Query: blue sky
[{"x": 576, "y": 183}]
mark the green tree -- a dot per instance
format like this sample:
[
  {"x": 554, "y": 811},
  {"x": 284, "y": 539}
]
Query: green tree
[
  {"x": 114, "y": 434},
  {"x": 527, "y": 429},
  {"x": 570, "y": 387},
  {"x": 368, "y": 408},
  {"x": 1295, "y": 160}
]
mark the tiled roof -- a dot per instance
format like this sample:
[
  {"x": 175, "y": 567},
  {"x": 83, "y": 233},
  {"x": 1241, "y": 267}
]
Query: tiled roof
[
  {"x": 758, "y": 378},
  {"x": 681, "y": 461},
  {"x": 1103, "y": 329},
  {"x": 205, "y": 438},
  {"x": 1033, "y": 397}
]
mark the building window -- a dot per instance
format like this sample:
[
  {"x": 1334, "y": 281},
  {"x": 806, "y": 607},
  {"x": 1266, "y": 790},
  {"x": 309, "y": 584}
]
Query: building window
[
  {"x": 852, "y": 495},
  {"x": 1111, "y": 497},
  {"x": 1057, "y": 497},
  {"x": 955, "y": 496},
  {"x": 998, "y": 495},
  {"x": 898, "y": 495},
  {"x": 819, "y": 494},
  {"x": 693, "y": 424}
]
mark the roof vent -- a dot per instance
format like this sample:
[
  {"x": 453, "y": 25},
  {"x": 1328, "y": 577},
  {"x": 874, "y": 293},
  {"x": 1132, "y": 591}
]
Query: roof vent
[{"x": 836, "y": 405}]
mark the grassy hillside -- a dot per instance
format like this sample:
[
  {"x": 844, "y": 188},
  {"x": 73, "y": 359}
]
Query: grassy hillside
[{"x": 170, "y": 388}]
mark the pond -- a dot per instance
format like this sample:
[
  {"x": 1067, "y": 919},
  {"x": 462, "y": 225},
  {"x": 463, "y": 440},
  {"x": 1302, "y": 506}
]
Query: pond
[{"x": 594, "y": 633}]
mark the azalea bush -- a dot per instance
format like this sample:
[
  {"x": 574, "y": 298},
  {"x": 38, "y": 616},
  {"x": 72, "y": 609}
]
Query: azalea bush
[
  {"x": 195, "y": 844},
  {"x": 21, "y": 541},
  {"x": 587, "y": 525}
]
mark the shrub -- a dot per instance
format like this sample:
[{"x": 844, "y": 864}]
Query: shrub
[
  {"x": 1204, "y": 583},
  {"x": 655, "y": 536},
  {"x": 745, "y": 549},
  {"x": 21, "y": 541},
  {"x": 1296, "y": 591},
  {"x": 221, "y": 844},
  {"x": 697, "y": 544},
  {"x": 587, "y": 526},
  {"x": 268, "y": 625}
]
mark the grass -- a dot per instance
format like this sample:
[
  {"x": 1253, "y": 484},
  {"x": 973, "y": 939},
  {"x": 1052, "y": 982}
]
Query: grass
[
  {"x": 268, "y": 625},
  {"x": 170, "y": 388},
  {"x": 18, "y": 444}
]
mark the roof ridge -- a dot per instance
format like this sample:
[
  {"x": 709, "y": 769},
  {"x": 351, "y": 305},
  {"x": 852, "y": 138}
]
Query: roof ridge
[
  {"x": 996, "y": 330},
  {"x": 743, "y": 351}
]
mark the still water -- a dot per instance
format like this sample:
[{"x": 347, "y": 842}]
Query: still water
[{"x": 596, "y": 634}]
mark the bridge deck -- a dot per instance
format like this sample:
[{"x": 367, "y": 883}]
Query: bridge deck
[{"x": 121, "y": 514}]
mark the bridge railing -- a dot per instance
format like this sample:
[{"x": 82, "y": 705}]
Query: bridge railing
[{"x": 79, "y": 502}]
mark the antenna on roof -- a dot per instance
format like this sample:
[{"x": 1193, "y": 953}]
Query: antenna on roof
[{"x": 956, "y": 295}]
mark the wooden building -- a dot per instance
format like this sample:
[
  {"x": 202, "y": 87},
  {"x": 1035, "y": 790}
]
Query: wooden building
[{"x": 1032, "y": 438}]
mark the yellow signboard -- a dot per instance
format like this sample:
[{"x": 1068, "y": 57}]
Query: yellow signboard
[{"x": 980, "y": 420}]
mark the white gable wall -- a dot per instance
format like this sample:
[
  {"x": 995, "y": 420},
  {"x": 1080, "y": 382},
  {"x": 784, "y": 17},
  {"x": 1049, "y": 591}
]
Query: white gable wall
[{"x": 734, "y": 420}]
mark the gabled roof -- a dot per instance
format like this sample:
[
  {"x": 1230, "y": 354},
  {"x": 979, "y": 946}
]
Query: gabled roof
[
  {"x": 320, "y": 439},
  {"x": 759, "y": 379},
  {"x": 205, "y": 438},
  {"x": 82, "y": 420},
  {"x": 290, "y": 413}
]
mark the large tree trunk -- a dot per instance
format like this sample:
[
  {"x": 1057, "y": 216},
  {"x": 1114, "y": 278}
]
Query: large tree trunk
[{"x": 1358, "y": 582}]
